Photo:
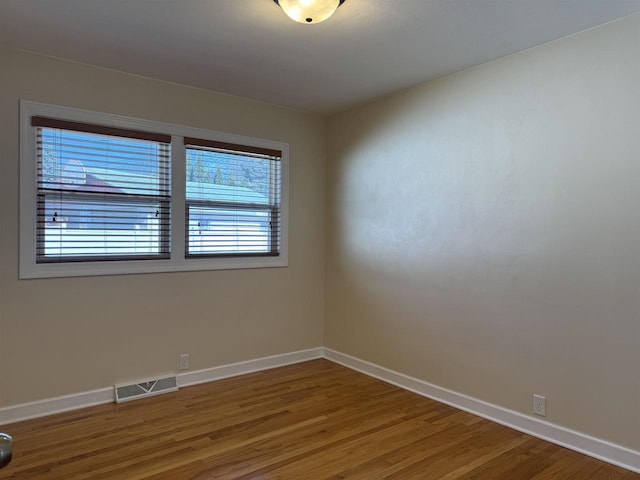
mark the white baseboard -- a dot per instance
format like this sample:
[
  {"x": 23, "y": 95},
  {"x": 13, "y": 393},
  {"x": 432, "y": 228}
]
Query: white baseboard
[
  {"x": 50, "y": 406},
  {"x": 234, "y": 369},
  {"x": 578, "y": 441}
]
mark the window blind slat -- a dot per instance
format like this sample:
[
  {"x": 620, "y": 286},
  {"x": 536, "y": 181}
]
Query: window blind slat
[
  {"x": 37, "y": 121},
  {"x": 231, "y": 147}
]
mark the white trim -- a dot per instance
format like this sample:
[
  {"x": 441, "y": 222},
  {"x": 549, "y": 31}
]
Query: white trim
[
  {"x": 578, "y": 441},
  {"x": 565, "y": 437},
  {"x": 27, "y": 252},
  {"x": 50, "y": 406},
  {"x": 241, "y": 368}
]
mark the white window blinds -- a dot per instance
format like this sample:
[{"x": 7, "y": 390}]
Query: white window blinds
[
  {"x": 102, "y": 193},
  {"x": 233, "y": 199}
]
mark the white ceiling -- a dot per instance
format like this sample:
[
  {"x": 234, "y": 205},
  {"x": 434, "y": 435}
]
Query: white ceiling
[{"x": 250, "y": 48}]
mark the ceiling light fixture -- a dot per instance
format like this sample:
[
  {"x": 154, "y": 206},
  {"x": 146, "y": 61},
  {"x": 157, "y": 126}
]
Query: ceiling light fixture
[{"x": 309, "y": 11}]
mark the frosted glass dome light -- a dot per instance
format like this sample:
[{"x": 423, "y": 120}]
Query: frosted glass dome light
[{"x": 309, "y": 11}]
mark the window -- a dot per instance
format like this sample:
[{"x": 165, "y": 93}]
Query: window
[
  {"x": 105, "y": 194},
  {"x": 233, "y": 199}
]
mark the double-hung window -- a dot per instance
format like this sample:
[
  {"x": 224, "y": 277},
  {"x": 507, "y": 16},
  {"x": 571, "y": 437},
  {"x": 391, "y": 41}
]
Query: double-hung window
[
  {"x": 232, "y": 199},
  {"x": 105, "y": 194},
  {"x": 102, "y": 193}
]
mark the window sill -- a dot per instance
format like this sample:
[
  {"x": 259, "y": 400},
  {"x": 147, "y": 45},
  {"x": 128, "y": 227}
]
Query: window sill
[{"x": 88, "y": 269}]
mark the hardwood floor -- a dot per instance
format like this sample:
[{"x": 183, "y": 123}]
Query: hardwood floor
[{"x": 314, "y": 420}]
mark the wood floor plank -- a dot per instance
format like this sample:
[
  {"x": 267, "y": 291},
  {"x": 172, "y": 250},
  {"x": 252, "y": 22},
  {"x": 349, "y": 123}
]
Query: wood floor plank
[{"x": 313, "y": 420}]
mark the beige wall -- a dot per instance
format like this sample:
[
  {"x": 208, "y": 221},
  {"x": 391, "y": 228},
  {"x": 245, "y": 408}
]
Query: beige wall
[
  {"x": 482, "y": 234},
  {"x": 484, "y": 231},
  {"x": 61, "y": 336}
]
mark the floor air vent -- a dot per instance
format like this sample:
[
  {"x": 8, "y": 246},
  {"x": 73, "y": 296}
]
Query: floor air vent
[{"x": 124, "y": 393}]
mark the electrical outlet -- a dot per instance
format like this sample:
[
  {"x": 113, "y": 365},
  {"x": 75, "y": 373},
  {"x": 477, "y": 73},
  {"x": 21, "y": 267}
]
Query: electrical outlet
[
  {"x": 184, "y": 361},
  {"x": 540, "y": 405}
]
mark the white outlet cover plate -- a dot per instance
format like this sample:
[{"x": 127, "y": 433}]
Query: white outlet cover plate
[{"x": 540, "y": 405}]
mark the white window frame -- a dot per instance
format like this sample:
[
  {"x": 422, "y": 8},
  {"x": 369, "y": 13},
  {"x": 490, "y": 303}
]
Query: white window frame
[{"x": 29, "y": 268}]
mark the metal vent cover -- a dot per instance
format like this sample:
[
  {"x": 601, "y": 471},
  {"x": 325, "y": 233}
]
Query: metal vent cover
[{"x": 148, "y": 388}]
